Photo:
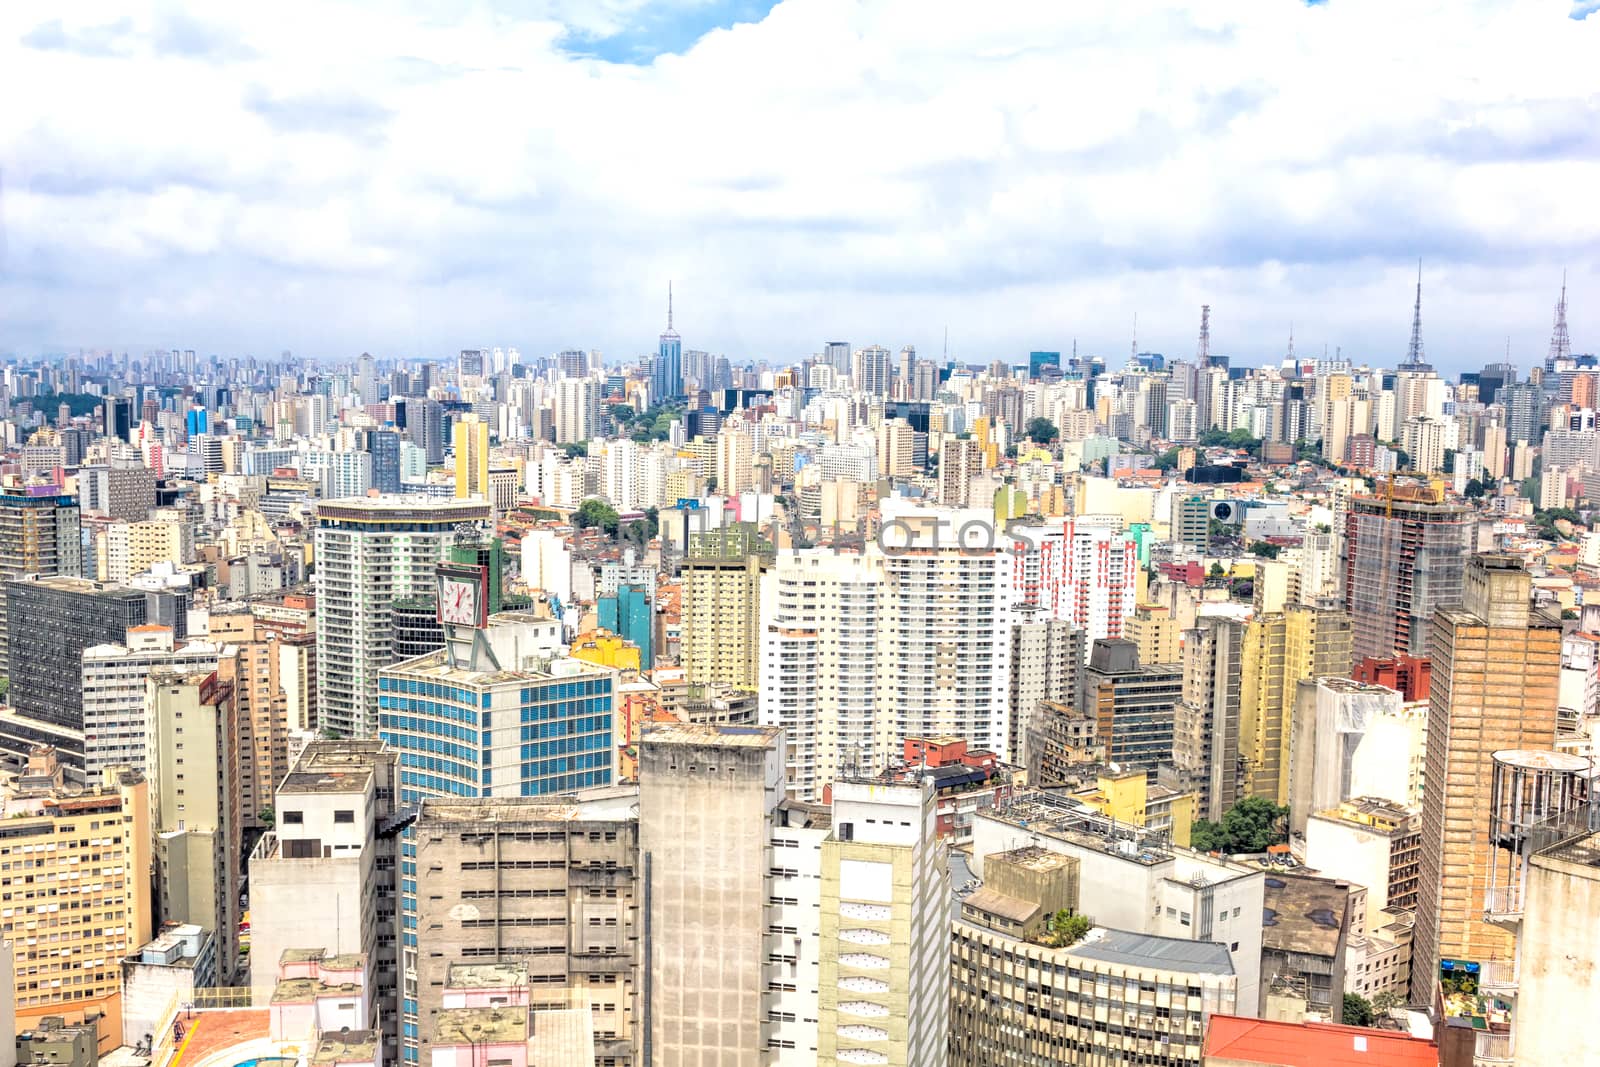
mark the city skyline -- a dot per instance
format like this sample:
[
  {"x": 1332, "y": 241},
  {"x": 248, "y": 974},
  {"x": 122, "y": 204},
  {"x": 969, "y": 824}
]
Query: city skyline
[{"x": 397, "y": 184}]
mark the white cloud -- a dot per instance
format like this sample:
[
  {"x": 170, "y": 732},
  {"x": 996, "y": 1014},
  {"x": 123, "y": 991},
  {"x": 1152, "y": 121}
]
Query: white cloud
[{"x": 339, "y": 177}]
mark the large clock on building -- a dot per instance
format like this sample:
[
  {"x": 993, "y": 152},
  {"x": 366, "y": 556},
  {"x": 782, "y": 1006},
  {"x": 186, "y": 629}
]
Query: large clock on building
[{"x": 461, "y": 596}]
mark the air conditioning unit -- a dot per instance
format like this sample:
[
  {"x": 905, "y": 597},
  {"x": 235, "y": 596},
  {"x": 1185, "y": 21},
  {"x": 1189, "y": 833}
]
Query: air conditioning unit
[{"x": 1227, "y": 512}]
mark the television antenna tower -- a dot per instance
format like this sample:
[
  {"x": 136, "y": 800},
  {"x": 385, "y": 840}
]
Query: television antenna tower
[
  {"x": 1204, "y": 353},
  {"x": 1560, "y": 342},
  {"x": 1414, "y": 353}
]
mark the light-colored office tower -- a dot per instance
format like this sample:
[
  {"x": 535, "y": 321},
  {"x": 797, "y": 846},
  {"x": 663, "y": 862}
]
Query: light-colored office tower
[
  {"x": 707, "y": 798},
  {"x": 734, "y": 456},
  {"x": 960, "y": 461},
  {"x": 1494, "y": 451},
  {"x": 873, "y": 370},
  {"x": 884, "y": 979},
  {"x": 1046, "y": 664},
  {"x": 1496, "y": 673},
  {"x": 549, "y": 885},
  {"x": 577, "y": 410},
  {"x": 1205, "y": 731},
  {"x": 1280, "y": 649},
  {"x": 193, "y": 765},
  {"x": 115, "y": 719},
  {"x": 126, "y": 549},
  {"x": 324, "y": 876},
  {"x": 371, "y": 552},
  {"x": 897, "y": 449},
  {"x": 470, "y": 442},
  {"x": 63, "y": 847},
  {"x": 1164, "y": 989},
  {"x": 297, "y": 673},
  {"x": 1405, "y": 551},
  {"x": 1083, "y": 569},
  {"x": 721, "y": 607},
  {"x": 1132, "y": 879},
  {"x": 125, "y": 489},
  {"x": 1154, "y": 629},
  {"x": 346, "y": 474},
  {"x": 250, "y": 664}
]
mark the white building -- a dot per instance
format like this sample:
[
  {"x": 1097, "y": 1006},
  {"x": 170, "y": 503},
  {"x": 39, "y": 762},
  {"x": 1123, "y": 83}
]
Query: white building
[
  {"x": 1083, "y": 569},
  {"x": 116, "y": 722}
]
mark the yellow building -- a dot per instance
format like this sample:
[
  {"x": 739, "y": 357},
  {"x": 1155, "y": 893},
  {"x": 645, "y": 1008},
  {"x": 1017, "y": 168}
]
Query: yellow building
[
  {"x": 606, "y": 649},
  {"x": 1155, "y": 631},
  {"x": 1129, "y": 798},
  {"x": 1281, "y": 649},
  {"x": 74, "y": 891},
  {"x": 471, "y": 445},
  {"x": 126, "y": 549}
]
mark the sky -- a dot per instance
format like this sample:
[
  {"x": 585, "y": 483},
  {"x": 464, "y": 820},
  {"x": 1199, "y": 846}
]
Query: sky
[{"x": 410, "y": 178}]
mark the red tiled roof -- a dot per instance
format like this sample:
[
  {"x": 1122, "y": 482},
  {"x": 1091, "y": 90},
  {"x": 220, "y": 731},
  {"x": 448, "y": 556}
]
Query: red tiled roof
[{"x": 1314, "y": 1044}]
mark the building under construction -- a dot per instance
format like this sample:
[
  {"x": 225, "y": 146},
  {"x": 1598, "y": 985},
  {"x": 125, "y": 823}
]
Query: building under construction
[{"x": 1405, "y": 553}]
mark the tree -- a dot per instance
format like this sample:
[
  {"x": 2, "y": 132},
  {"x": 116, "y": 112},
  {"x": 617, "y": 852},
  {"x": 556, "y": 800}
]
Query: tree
[
  {"x": 1251, "y": 825},
  {"x": 1385, "y": 1001},
  {"x": 1041, "y": 431},
  {"x": 1474, "y": 489},
  {"x": 1217, "y": 571},
  {"x": 1265, "y": 550},
  {"x": 576, "y": 448},
  {"x": 1065, "y": 928},
  {"x": 1357, "y": 1010},
  {"x": 1231, "y": 439},
  {"x": 596, "y": 513},
  {"x": 1167, "y": 461}
]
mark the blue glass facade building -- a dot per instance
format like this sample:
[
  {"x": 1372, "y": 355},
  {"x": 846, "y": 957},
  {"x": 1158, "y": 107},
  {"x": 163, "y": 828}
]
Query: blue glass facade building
[{"x": 631, "y": 616}]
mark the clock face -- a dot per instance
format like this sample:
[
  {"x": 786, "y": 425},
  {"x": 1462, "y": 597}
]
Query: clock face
[{"x": 458, "y": 602}]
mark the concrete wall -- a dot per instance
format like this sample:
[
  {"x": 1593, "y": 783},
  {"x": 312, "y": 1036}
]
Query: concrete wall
[
  {"x": 1353, "y": 853},
  {"x": 306, "y": 903},
  {"x": 8, "y": 1008},
  {"x": 1559, "y": 985}
]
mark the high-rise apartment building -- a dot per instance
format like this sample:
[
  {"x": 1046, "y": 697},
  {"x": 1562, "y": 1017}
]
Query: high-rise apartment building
[
  {"x": 38, "y": 535},
  {"x": 471, "y": 445},
  {"x": 75, "y": 879},
  {"x": 193, "y": 765},
  {"x": 116, "y": 727},
  {"x": 252, "y": 667},
  {"x": 885, "y": 929},
  {"x": 371, "y": 552},
  {"x": 1496, "y": 666},
  {"x": 124, "y": 550},
  {"x": 123, "y": 489},
  {"x": 1084, "y": 569},
  {"x": 721, "y": 608},
  {"x": 1046, "y": 665},
  {"x": 1405, "y": 554},
  {"x": 872, "y": 370},
  {"x": 860, "y": 652},
  {"x": 577, "y": 410},
  {"x": 1154, "y": 629},
  {"x": 1280, "y": 649},
  {"x": 383, "y": 445},
  {"x": 1205, "y": 734}
]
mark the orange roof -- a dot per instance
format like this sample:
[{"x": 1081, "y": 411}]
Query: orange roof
[{"x": 1314, "y": 1044}]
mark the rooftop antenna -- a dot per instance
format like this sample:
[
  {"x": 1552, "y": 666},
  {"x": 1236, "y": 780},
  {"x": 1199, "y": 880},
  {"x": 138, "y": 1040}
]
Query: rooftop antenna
[
  {"x": 1414, "y": 355},
  {"x": 1560, "y": 343},
  {"x": 1203, "y": 355},
  {"x": 1133, "y": 356},
  {"x": 947, "y": 343},
  {"x": 669, "y": 306},
  {"x": 1291, "y": 342}
]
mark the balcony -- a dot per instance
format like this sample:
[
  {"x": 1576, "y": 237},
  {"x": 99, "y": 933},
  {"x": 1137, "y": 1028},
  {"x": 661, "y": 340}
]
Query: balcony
[
  {"x": 1503, "y": 904},
  {"x": 1498, "y": 977},
  {"x": 1492, "y": 1049}
]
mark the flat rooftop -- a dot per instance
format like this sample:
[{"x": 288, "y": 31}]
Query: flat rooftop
[
  {"x": 476, "y": 810},
  {"x": 477, "y": 1026},
  {"x": 485, "y": 975},
  {"x": 711, "y": 735},
  {"x": 1148, "y": 950},
  {"x": 341, "y": 781},
  {"x": 1303, "y": 914},
  {"x": 346, "y": 1046},
  {"x": 1033, "y": 858},
  {"x": 436, "y": 665}
]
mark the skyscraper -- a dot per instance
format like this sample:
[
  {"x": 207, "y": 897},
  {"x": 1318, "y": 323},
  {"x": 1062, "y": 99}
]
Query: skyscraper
[
  {"x": 472, "y": 457},
  {"x": 384, "y": 448},
  {"x": 1405, "y": 554},
  {"x": 666, "y": 382},
  {"x": 721, "y": 614},
  {"x": 872, "y": 370},
  {"x": 1496, "y": 666},
  {"x": 1281, "y": 649},
  {"x": 370, "y": 552},
  {"x": 1205, "y": 735}
]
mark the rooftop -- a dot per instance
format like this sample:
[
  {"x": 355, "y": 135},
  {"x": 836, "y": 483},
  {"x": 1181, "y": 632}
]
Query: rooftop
[
  {"x": 436, "y": 665},
  {"x": 712, "y": 735},
  {"x": 1149, "y": 950},
  {"x": 1281, "y": 1044},
  {"x": 346, "y": 1046},
  {"x": 997, "y": 903},
  {"x": 486, "y": 975},
  {"x": 299, "y": 990},
  {"x": 1033, "y": 858},
  {"x": 1304, "y": 914},
  {"x": 477, "y": 1026},
  {"x": 350, "y": 781}
]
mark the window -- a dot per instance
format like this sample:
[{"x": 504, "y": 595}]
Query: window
[
  {"x": 294, "y": 818},
  {"x": 344, "y": 816}
]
